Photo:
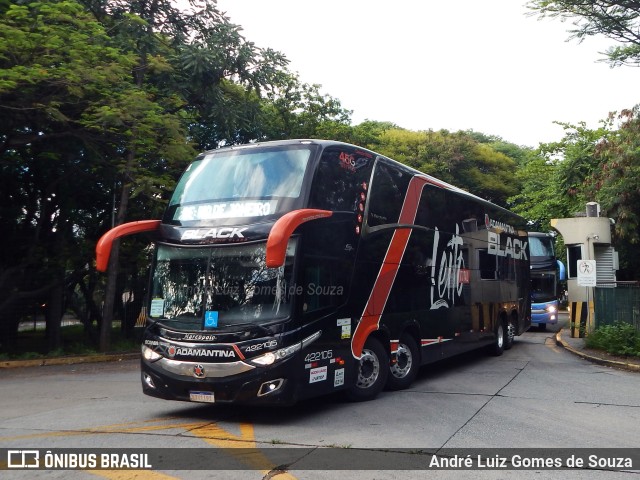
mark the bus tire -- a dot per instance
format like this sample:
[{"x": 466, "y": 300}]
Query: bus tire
[
  {"x": 497, "y": 347},
  {"x": 510, "y": 335},
  {"x": 404, "y": 370},
  {"x": 372, "y": 372}
]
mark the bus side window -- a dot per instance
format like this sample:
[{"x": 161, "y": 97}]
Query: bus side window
[
  {"x": 326, "y": 266},
  {"x": 488, "y": 265},
  {"x": 388, "y": 190}
]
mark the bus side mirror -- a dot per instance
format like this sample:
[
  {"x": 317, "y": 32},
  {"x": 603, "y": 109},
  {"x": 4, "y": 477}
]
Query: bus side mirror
[
  {"x": 103, "y": 247},
  {"x": 282, "y": 230}
]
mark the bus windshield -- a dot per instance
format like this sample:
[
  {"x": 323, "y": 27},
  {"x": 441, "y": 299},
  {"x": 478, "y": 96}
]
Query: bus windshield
[
  {"x": 543, "y": 288},
  {"x": 246, "y": 182},
  {"x": 541, "y": 246},
  {"x": 220, "y": 286}
]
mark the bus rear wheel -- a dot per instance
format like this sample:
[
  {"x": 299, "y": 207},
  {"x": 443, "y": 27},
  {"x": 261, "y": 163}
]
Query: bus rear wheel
[
  {"x": 510, "y": 334},
  {"x": 371, "y": 376},
  {"x": 404, "y": 370}
]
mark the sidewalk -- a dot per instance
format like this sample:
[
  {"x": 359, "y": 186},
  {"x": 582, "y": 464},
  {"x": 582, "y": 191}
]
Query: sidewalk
[{"x": 577, "y": 347}]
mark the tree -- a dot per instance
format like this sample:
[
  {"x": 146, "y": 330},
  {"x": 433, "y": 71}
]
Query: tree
[
  {"x": 455, "y": 158},
  {"x": 618, "y": 20},
  {"x": 299, "y": 110},
  {"x": 600, "y": 165},
  {"x": 189, "y": 69},
  {"x": 541, "y": 196},
  {"x": 617, "y": 182},
  {"x": 616, "y": 185},
  {"x": 56, "y": 67}
]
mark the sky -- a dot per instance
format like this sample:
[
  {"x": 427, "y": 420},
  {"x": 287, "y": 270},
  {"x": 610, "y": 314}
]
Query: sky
[{"x": 457, "y": 65}]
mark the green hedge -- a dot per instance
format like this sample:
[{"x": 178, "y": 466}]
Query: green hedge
[{"x": 620, "y": 338}]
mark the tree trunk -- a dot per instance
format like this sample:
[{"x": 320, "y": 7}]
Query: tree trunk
[
  {"x": 55, "y": 310},
  {"x": 112, "y": 272}
]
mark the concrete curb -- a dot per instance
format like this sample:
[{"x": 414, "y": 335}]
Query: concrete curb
[
  {"x": 70, "y": 360},
  {"x": 599, "y": 360}
]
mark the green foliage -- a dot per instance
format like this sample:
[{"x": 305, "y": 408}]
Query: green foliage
[
  {"x": 540, "y": 198},
  {"x": 618, "y": 20},
  {"x": 601, "y": 165},
  {"x": 618, "y": 339},
  {"x": 295, "y": 110},
  {"x": 457, "y": 158},
  {"x": 616, "y": 181}
]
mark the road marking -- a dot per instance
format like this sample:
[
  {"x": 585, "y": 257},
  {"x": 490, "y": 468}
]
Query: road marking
[
  {"x": 218, "y": 437},
  {"x": 210, "y": 433},
  {"x": 131, "y": 475}
]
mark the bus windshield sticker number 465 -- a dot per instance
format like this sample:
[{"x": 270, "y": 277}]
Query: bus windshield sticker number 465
[{"x": 347, "y": 161}]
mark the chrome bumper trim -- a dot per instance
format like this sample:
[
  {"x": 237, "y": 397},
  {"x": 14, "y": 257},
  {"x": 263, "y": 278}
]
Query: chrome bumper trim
[{"x": 211, "y": 370}]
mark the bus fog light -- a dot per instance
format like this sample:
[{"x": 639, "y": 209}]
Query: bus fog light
[
  {"x": 269, "y": 387},
  {"x": 148, "y": 381}
]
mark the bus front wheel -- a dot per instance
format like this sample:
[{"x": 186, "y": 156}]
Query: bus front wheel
[
  {"x": 372, "y": 372},
  {"x": 405, "y": 368},
  {"x": 497, "y": 348}
]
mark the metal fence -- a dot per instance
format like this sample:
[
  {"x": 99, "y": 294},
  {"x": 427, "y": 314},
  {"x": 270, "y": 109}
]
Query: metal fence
[{"x": 618, "y": 302}]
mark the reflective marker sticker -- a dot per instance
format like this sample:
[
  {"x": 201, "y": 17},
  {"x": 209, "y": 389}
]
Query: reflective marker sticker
[
  {"x": 318, "y": 374},
  {"x": 346, "y": 331},
  {"x": 211, "y": 320}
]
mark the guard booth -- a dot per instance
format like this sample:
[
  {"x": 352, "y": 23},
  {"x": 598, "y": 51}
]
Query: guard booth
[{"x": 591, "y": 262}]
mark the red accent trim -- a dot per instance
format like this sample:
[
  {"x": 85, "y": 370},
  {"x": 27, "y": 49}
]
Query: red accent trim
[
  {"x": 370, "y": 319},
  {"x": 103, "y": 247},
  {"x": 430, "y": 341},
  {"x": 235, "y": 347},
  {"x": 282, "y": 230}
]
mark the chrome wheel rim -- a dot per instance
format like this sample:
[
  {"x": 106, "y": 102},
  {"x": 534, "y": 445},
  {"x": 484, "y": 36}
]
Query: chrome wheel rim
[
  {"x": 369, "y": 369},
  {"x": 403, "y": 363}
]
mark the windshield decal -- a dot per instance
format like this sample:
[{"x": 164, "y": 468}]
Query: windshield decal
[
  {"x": 218, "y": 210},
  {"x": 157, "y": 308},
  {"x": 211, "y": 319}
]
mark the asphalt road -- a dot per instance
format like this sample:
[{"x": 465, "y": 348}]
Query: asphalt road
[{"x": 536, "y": 395}]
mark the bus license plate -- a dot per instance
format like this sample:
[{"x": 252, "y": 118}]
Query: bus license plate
[{"x": 205, "y": 397}]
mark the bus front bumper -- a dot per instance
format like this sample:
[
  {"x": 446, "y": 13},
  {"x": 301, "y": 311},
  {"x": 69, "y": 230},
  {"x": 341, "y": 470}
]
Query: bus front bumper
[
  {"x": 262, "y": 386},
  {"x": 544, "y": 317}
]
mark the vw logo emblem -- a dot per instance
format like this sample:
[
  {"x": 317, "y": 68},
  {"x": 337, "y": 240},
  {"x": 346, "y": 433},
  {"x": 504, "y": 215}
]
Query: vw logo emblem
[{"x": 198, "y": 371}]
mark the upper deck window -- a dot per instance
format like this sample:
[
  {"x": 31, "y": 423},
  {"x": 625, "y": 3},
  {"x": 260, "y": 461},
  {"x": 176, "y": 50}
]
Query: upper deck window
[
  {"x": 239, "y": 183},
  {"x": 342, "y": 179},
  {"x": 541, "y": 246}
]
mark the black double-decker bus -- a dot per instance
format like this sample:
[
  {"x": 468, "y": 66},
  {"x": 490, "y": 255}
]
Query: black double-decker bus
[{"x": 291, "y": 269}]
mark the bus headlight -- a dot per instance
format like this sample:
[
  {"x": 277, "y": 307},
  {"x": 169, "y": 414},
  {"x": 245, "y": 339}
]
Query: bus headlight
[
  {"x": 552, "y": 309},
  {"x": 149, "y": 354},
  {"x": 270, "y": 358}
]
